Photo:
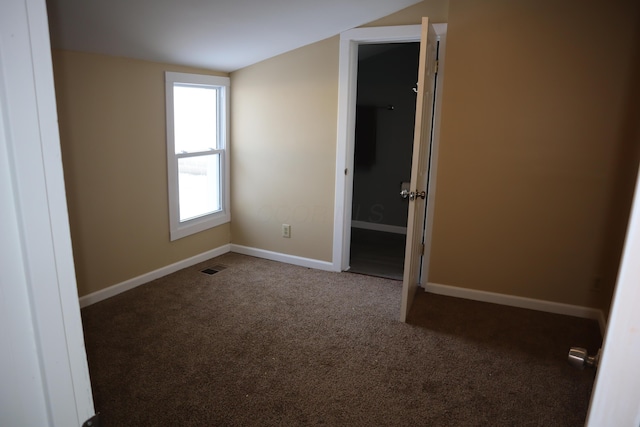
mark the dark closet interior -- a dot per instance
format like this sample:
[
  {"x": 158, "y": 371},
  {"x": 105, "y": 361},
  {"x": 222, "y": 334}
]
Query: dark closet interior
[{"x": 385, "y": 114}]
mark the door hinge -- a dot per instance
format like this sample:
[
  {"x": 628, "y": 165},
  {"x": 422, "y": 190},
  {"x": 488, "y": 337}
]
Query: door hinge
[
  {"x": 422, "y": 250},
  {"x": 435, "y": 66}
]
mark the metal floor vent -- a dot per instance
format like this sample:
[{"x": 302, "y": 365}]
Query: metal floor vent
[{"x": 213, "y": 270}]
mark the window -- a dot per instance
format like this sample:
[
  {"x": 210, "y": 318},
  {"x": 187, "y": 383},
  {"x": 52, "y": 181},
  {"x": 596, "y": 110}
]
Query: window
[{"x": 197, "y": 157}]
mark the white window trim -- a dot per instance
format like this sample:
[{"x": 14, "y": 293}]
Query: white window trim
[{"x": 177, "y": 229}]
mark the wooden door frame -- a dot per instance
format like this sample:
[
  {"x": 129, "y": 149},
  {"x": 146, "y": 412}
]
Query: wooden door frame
[{"x": 347, "y": 90}]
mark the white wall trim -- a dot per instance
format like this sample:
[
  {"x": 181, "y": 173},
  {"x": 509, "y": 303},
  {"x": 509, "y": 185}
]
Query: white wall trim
[
  {"x": 521, "y": 302},
  {"x": 452, "y": 291},
  {"x": 390, "y": 34},
  {"x": 376, "y": 226},
  {"x": 280, "y": 257},
  {"x": 118, "y": 288}
]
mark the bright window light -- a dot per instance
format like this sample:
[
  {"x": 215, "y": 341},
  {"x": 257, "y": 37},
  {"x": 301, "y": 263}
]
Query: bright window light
[
  {"x": 195, "y": 118},
  {"x": 199, "y": 186},
  {"x": 198, "y": 164}
]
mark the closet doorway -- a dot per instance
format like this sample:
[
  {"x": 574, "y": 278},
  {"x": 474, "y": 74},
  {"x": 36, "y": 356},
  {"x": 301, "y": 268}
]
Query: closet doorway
[
  {"x": 431, "y": 64},
  {"x": 384, "y": 126}
]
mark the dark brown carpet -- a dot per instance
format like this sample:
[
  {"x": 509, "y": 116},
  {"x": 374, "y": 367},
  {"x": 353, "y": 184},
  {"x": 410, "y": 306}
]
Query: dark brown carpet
[{"x": 265, "y": 343}]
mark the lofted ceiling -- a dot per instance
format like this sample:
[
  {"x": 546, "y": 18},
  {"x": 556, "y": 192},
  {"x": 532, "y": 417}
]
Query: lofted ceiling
[{"x": 223, "y": 35}]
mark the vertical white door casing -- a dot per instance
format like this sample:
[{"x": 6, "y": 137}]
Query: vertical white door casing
[
  {"x": 45, "y": 377},
  {"x": 433, "y": 158},
  {"x": 347, "y": 90},
  {"x": 615, "y": 400},
  {"x": 22, "y": 398},
  {"x": 419, "y": 166}
]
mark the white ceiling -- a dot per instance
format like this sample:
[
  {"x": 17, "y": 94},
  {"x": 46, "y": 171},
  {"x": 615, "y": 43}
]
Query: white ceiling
[{"x": 223, "y": 35}]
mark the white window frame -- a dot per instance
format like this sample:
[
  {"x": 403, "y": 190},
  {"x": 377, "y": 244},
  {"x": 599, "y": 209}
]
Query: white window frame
[{"x": 182, "y": 229}]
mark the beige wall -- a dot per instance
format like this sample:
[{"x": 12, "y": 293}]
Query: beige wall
[
  {"x": 536, "y": 158},
  {"x": 535, "y": 99},
  {"x": 627, "y": 157},
  {"x": 112, "y": 128},
  {"x": 284, "y": 118},
  {"x": 283, "y": 114}
]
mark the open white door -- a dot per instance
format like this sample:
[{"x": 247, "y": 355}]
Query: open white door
[
  {"x": 43, "y": 363},
  {"x": 419, "y": 166},
  {"x": 616, "y": 393}
]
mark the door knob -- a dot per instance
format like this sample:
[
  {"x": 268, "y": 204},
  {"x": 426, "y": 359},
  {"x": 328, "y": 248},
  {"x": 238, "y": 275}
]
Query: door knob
[
  {"x": 579, "y": 358},
  {"x": 415, "y": 194},
  {"x": 404, "y": 194}
]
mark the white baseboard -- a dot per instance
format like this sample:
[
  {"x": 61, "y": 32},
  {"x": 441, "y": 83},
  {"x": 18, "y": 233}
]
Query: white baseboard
[
  {"x": 280, "y": 257},
  {"x": 521, "y": 302},
  {"x": 472, "y": 294},
  {"x": 379, "y": 227},
  {"x": 116, "y": 289}
]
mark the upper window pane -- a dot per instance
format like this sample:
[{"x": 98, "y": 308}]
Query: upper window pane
[{"x": 195, "y": 118}]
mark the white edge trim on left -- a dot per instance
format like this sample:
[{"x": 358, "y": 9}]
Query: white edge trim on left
[
  {"x": 521, "y": 302},
  {"x": 118, "y": 288}
]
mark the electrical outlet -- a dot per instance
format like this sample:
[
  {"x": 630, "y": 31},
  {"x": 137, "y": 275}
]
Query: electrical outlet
[{"x": 286, "y": 230}]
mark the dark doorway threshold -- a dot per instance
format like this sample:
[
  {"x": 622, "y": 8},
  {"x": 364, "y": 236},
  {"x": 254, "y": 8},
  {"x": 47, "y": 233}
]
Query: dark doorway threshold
[{"x": 377, "y": 253}]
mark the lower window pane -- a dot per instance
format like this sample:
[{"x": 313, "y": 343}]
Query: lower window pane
[{"x": 199, "y": 186}]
